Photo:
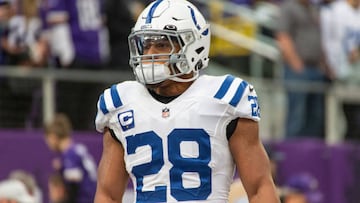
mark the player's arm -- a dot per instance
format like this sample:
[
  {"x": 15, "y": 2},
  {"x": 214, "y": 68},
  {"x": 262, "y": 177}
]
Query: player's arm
[
  {"x": 112, "y": 175},
  {"x": 289, "y": 52},
  {"x": 252, "y": 162}
]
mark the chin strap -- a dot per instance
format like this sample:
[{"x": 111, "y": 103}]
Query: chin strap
[
  {"x": 178, "y": 79},
  {"x": 155, "y": 73}
]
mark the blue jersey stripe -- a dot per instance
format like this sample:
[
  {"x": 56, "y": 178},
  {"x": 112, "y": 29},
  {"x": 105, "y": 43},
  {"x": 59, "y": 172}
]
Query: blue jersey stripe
[
  {"x": 239, "y": 93},
  {"x": 152, "y": 10},
  {"x": 115, "y": 96},
  {"x": 224, "y": 87},
  {"x": 103, "y": 105}
]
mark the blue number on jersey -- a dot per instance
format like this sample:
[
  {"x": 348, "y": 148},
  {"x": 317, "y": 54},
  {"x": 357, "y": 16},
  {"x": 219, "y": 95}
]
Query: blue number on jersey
[
  {"x": 157, "y": 161},
  {"x": 255, "y": 108},
  {"x": 180, "y": 164}
]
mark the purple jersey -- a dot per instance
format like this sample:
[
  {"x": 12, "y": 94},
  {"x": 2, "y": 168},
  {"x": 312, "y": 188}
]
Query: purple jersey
[
  {"x": 86, "y": 31},
  {"x": 42, "y": 10},
  {"x": 78, "y": 166}
]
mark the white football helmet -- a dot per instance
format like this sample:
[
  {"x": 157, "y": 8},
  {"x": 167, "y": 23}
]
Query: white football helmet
[{"x": 178, "y": 22}]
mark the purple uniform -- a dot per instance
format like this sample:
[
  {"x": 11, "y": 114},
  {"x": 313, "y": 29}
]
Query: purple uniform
[
  {"x": 78, "y": 167},
  {"x": 87, "y": 37},
  {"x": 42, "y": 10}
]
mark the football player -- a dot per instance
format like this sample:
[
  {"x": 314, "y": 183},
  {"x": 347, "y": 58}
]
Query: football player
[{"x": 179, "y": 134}]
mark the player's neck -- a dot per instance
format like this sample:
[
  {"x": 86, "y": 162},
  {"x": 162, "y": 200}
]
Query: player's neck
[
  {"x": 169, "y": 88},
  {"x": 65, "y": 144},
  {"x": 162, "y": 99}
]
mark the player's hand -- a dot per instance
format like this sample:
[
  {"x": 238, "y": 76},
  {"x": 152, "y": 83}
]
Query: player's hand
[{"x": 297, "y": 66}]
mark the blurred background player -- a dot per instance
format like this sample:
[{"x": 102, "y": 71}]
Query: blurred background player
[
  {"x": 341, "y": 40},
  {"x": 78, "y": 40},
  {"x": 76, "y": 165},
  {"x": 299, "y": 39}
]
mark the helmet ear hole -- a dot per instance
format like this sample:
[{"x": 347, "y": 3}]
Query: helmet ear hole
[
  {"x": 199, "y": 50},
  {"x": 198, "y": 65}
]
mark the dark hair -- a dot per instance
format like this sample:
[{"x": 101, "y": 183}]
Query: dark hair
[{"x": 60, "y": 126}]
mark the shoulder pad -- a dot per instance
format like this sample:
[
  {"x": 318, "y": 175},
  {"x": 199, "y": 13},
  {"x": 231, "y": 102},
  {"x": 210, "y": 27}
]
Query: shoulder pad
[
  {"x": 109, "y": 100},
  {"x": 231, "y": 90}
]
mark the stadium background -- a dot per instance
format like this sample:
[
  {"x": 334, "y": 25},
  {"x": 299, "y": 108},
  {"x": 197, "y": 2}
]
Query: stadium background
[{"x": 239, "y": 41}]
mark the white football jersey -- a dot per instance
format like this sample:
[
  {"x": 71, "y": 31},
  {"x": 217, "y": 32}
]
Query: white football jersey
[{"x": 178, "y": 151}]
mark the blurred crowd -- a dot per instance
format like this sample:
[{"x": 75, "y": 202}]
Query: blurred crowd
[
  {"x": 83, "y": 35},
  {"x": 67, "y": 34},
  {"x": 318, "y": 41},
  {"x": 319, "y": 45}
]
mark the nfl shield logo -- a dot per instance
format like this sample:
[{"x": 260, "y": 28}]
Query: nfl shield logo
[{"x": 165, "y": 112}]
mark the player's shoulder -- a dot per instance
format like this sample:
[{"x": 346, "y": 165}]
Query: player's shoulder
[
  {"x": 227, "y": 88},
  {"x": 114, "y": 96},
  {"x": 211, "y": 79}
]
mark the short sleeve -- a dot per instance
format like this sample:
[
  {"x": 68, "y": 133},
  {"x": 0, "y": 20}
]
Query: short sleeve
[
  {"x": 108, "y": 102},
  {"x": 101, "y": 120},
  {"x": 248, "y": 106},
  {"x": 240, "y": 97}
]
